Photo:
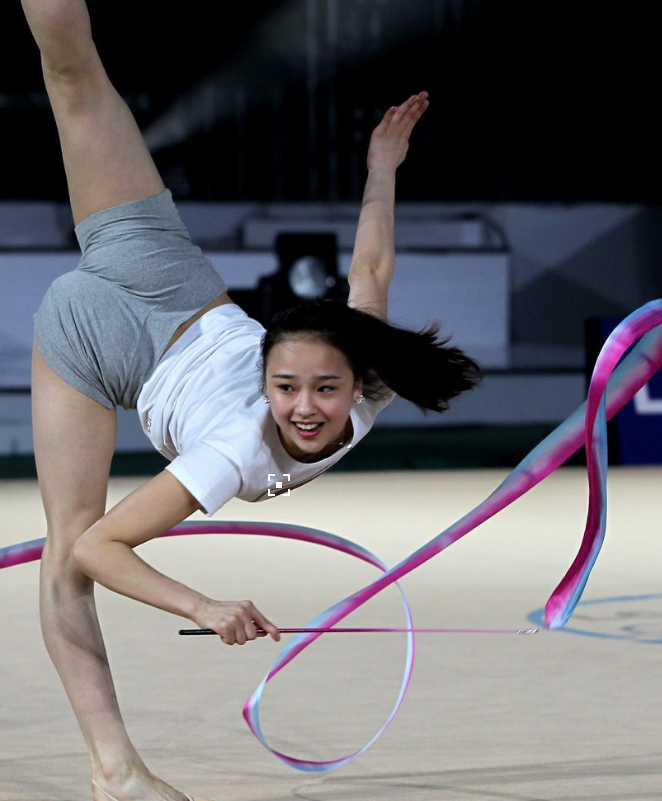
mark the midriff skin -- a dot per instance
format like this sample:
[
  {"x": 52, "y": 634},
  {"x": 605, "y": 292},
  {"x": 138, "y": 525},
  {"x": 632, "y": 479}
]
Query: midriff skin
[{"x": 221, "y": 300}]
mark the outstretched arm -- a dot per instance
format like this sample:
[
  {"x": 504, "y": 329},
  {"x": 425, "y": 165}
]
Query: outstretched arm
[
  {"x": 106, "y": 554},
  {"x": 373, "y": 259}
]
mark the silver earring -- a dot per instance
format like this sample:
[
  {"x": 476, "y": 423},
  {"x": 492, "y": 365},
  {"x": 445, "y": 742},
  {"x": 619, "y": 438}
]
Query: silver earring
[
  {"x": 360, "y": 399},
  {"x": 267, "y": 399}
]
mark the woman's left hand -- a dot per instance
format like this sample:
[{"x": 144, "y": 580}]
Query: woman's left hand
[{"x": 390, "y": 139}]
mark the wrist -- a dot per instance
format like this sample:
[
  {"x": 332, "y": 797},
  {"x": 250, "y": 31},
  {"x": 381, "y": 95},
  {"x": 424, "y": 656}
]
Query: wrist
[
  {"x": 385, "y": 170},
  {"x": 198, "y": 609}
]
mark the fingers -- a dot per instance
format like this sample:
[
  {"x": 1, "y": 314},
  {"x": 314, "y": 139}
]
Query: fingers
[
  {"x": 399, "y": 121},
  {"x": 245, "y": 623},
  {"x": 267, "y": 626},
  {"x": 411, "y": 110}
]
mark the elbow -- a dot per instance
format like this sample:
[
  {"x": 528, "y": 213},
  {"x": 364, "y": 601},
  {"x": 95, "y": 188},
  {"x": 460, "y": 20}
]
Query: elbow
[
  {"x": 372, "y": 260},
  {"x": 371, "y": 272},
  {"x": 83, "y": 555}
]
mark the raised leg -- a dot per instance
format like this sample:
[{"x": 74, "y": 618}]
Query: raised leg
[{"x": 105, "y": 157}]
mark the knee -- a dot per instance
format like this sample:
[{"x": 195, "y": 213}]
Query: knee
[
  {"x": 60, "y": 578},
  {"x": 67, "y": 526},
  {"x": 59, "y": 560}
]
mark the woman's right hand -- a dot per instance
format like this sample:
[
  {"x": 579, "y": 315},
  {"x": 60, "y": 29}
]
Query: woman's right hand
[{"x": 235, "y": 622}]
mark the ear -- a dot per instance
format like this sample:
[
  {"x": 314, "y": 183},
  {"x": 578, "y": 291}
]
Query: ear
[{"x": 358, "y": 388}]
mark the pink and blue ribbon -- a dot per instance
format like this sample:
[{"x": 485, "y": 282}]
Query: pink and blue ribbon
[{"x": 616, "y": 378}]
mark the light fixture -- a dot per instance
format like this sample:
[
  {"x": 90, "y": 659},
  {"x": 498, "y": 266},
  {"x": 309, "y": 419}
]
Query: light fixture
[
  {"x": 307, "y": 270},
  {"x": 308, "y": 278}
]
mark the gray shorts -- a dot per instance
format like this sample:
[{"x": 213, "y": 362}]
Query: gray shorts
[{"x": 104, "y": 326}]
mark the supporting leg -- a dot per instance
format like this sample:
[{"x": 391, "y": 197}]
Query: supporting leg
[{"x": 74, "y": 439}]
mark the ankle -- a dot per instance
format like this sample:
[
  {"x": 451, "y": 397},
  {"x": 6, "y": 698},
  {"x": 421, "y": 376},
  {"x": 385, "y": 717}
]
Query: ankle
[
  {"x": 115, "y": 780},
  {"x": 97, "y": 788}
]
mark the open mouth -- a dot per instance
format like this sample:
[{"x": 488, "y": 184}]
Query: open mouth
[{"x": 308, "y": 430}]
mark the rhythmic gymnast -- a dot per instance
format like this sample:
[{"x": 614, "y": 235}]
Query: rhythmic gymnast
[{"x": 146, "y": 322}]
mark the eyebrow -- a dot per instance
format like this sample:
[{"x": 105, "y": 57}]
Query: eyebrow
[{"x": 329, "y": 377}]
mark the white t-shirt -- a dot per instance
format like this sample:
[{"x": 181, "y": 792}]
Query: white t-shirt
[{"x": 202, "y": 408}]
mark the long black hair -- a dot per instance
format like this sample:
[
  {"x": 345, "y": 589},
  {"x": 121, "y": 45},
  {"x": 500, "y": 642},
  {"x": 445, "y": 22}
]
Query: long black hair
[{"x": 417, "y": 365}]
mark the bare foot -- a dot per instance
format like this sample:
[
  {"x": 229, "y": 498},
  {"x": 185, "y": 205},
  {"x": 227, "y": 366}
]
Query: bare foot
[{"x": 151, "y": 789}]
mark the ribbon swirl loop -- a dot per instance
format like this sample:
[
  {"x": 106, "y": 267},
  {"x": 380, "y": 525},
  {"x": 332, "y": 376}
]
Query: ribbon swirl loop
[{"x": 616, "y": 378}]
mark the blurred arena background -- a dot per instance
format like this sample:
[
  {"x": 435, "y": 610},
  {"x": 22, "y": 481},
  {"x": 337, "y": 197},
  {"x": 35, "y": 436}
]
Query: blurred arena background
[{"x": 528, "y": 209}]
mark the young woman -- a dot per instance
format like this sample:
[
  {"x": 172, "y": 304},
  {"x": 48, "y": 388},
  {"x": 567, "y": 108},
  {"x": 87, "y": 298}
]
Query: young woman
[{"x": 146, "y": 322}]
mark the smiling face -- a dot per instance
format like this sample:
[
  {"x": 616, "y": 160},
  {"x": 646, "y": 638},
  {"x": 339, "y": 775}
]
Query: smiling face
[{"x": 311, "y": 387}]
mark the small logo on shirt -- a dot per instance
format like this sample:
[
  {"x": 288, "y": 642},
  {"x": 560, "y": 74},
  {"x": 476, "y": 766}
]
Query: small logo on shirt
[
  {"x": 279, "y": 489},
  {"x": 149, "y": 423}
]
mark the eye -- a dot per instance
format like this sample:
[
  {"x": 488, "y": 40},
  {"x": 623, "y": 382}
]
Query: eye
[
  {"x": 285, "y": 387},
  {"x": 325, "y": 389}
]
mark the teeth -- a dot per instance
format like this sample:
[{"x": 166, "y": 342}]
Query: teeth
[{"x": 307, "y": 426}]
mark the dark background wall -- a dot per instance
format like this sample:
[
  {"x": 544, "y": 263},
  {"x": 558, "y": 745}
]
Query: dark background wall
[
  {"x": 543, "y": 120},
  {"x": 531, "y": 101}
]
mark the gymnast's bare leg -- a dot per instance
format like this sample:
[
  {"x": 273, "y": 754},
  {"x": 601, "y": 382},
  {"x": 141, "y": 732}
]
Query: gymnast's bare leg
[{"x": 106, "y": 163}]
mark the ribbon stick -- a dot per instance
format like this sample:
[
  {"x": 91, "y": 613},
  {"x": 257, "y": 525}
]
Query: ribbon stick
[
  {"x": 614, "y": 382},
  {"x": 371, "y": 630}
]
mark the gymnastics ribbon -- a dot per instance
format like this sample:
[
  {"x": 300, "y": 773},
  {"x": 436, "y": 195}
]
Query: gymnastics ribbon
[{"x": 614, "y": 382}]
